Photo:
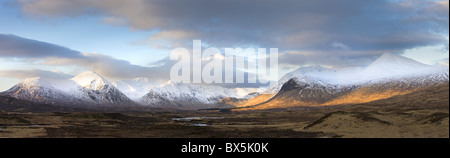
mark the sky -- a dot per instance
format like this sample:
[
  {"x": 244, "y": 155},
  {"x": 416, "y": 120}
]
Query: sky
[{"x": 128, "y": 39}]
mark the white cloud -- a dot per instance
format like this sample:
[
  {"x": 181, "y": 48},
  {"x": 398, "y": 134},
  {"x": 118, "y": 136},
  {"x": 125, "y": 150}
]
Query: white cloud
[
  {"x": 340, "y": 46},
  {"x": 430, "y": 55}
]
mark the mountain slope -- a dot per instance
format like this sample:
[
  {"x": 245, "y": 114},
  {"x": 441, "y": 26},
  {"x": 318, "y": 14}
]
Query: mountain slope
[
  {"x": 135, "y": 88},
  {"x": 183, "y": 95},
  {"x": 91, "y": 80},
  {"x": 17, "y": 105},
  {"x": 88, "y": 88},
  {"x": 381, "y": 90},
  {"x": 41, "y": 90},
  {"x": 390, "y": 75}
]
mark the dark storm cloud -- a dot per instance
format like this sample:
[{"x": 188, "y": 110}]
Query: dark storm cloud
[{"x": 18, "y": 47}]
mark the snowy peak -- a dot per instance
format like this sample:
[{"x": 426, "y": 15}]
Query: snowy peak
[
  {"x": 88, "y": 88},
  {"x": 135, "y": 88},
  {"x": 35, "y": 81},
  {"x": 190, "y": 94},
  {"x": 397, "y": 59},
  {"x": 390, "y": 75},
  {"x": 397, "y": 63},
  {"x": 43, "y": 82},
  {"x": 387, "y": 67},
  {"x": 141, "y": 79},
  {"x": 170, "y": 83},
  {"x": 396, "y": 66},
  {"x": 316, "y": 72},
  {"x": 91, "y": 80},
  {"x": 307, "y": 74},
  {"x": 313, "y": 69}
]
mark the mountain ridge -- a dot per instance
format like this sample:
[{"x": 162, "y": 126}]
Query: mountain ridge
[
  {"x": 388, "y": 76},
  {"x": 395, "y": 75},
  {"x": 86, "y": 88}
]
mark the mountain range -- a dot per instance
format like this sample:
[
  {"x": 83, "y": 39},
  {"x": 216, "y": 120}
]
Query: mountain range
[
  {"x": 90, "y": 89},
  {"x": 390, "y": 75},
  {"x": 87, "y": 88}
]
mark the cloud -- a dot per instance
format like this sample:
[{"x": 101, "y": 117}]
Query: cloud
[
  {"x": 105, "y": 65},
  {"x": 18, "y": 47},
  {"x": 118, "y": 9},
  {"x": 367, "y": 26},
  {"x": 22, "y": 74},
  {"x": 43, "y": 53},
  {"x": 114, "y": 21},
  {"x": 337, "y": 60},
  {"x": 340, "y": 46},
  {"x": 445, "y": 49},
  {"x": 111, "y": 67},
  {"x": 443, "y": 62},
  {"x": 425, "y": 11},
  {"x": 321, "y": 32},
  {"x": 255, "y": 19},
  {"x": 170, "y": 39}
]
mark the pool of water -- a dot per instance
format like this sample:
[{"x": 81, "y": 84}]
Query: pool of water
[
  {"x": 188, "y": 119},
  {"x": 200, "y": 124}
]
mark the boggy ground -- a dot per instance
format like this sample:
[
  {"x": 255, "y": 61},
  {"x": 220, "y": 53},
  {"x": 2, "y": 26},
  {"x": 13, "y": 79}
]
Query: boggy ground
[
  {"x": 337, "y": 121},
  {"x": 421, "y": 114}
]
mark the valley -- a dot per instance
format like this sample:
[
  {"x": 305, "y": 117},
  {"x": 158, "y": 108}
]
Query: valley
[
  {"x": 298, "y": 123},
  {"x": 405, "y": 116},
  {"x": 224, "y": 69},
  {"x": 394, "y": 97}
]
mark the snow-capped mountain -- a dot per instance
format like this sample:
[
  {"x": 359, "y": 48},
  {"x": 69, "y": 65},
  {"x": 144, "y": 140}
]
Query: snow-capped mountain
[
  {"x": 387, "y": 76},
  {"x": 85, "y": 88},
  {"x": 91, "y": 80},
  {"x": 386, "y": 67},
  {"x": 42, "y": 90},
  {"x": 308, "y": 74},
  {"x": 391, "y": 66},
  {"x": 178, "y": 94},
  {"x": 89, "y": 88},
  {"x": 135, "y": 88}
]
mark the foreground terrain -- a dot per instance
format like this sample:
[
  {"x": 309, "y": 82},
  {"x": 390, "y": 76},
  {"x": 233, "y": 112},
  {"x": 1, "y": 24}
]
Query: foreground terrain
[
  {"x": 421, "y": 114},
  {"x": 314, "y": 122}
]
